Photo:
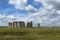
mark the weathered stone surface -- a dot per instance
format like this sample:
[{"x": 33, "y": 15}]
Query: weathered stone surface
[
  {"x": 38, "y": 24},
  {"x": 17, "y": 24},
  {"x": 10, "y": 24},
  {"x": 29, "y": 24}
]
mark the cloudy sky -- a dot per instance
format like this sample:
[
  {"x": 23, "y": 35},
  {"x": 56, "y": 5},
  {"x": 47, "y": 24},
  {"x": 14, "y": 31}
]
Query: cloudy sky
[{"x": 45, "y": 12}]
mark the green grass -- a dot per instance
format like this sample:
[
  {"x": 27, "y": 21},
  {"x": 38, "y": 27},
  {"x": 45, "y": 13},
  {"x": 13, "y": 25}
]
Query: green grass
[{"x": 30, "y": 33}]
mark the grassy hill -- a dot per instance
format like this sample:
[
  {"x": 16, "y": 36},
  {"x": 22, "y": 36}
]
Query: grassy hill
[{"x": 30, "y": 33}]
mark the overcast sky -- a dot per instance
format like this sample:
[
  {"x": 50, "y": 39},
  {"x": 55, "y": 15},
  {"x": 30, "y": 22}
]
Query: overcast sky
[{"x": 45, "y": 12}]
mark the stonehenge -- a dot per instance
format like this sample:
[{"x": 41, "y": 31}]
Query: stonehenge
[{"x": 19, "y": 24}]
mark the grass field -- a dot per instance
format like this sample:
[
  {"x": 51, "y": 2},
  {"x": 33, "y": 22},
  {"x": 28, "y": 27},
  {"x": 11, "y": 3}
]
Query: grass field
[{"x": 30, "y": 34}]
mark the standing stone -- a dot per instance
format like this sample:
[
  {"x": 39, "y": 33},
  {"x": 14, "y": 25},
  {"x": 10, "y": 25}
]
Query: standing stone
[
  {"x": 29, "y": 24},
  {"x": 10, "y": 24},
  {"x": 38, "y": 24},
  {"x": 16, "y": 26},
  {"x": 13, "y": 25},
  {"x": 20, "y": 24},
  {"x": 23, "y": 24}
]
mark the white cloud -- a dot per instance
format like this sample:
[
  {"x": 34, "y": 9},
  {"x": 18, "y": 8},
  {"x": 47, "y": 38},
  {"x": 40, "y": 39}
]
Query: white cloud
[
  {"x": 58, "y": 11},
  {"x": 22, "y": 5},
  {"x": 49, "y": 14},
  {"x": 31, "y": 9},
  {"x": 19, "y": 4}
]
